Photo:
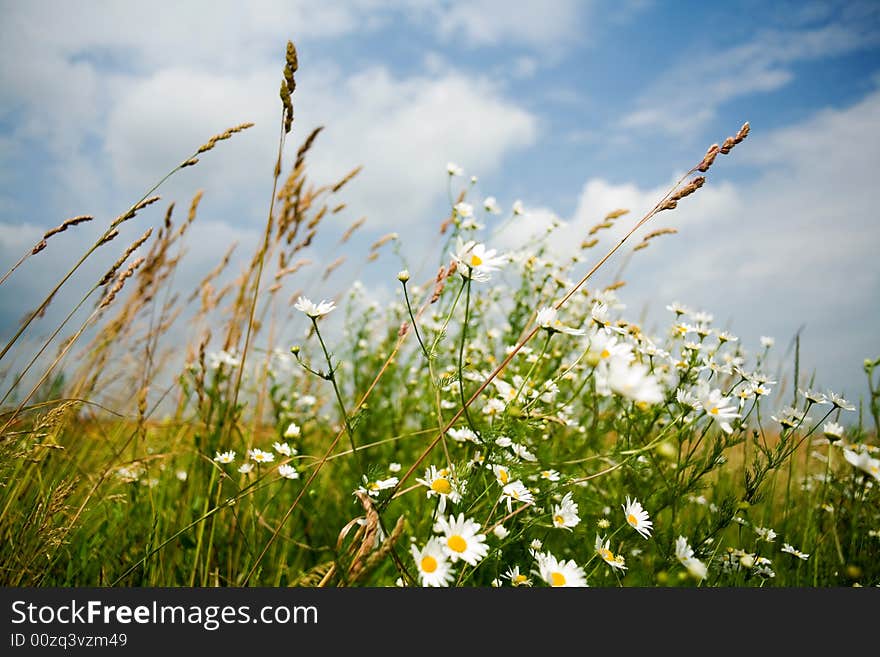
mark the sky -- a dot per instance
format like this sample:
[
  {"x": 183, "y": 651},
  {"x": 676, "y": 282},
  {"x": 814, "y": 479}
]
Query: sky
[{"x": 574, "y": 108}]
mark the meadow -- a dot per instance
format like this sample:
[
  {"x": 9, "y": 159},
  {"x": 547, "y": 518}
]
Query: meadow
[{"x": 499, "y": 423}]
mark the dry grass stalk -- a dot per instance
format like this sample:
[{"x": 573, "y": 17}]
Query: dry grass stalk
[
  {"x": 383, "y": 241},
  {"x": 348, "y": 233},
  {"x": 332, "y": 267},
  {"x": 120, "y": 282},
  {"x": 131, "y": 249},
  {"x": 134, "y": 210},
  {"x": 351, "y": 174},
  {"x": 226, "y": 134},
  {"x": 672, "y": 201}
]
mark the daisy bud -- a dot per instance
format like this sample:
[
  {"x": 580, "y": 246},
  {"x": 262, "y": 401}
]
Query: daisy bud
[
  {"x": 295, "y": 349},
  {"x": 403, "y": 276}
]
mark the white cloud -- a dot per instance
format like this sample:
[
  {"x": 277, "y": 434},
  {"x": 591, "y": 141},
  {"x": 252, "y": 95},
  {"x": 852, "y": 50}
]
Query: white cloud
[
  {"x": 792, "y": 247},
  {"x": 688, "y": 95},
  {"x": 490, "y": 22}
]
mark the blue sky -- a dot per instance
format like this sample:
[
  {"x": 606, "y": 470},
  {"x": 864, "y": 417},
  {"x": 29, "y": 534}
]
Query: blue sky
[{"x": 575, "y": 108}]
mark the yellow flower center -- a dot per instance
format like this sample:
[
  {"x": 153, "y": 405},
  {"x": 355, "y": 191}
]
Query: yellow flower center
[
  {"x": 456, "y": 543},
  {"x": 559, "y": 520},
  {"x": 605, "y": 354},
  {"x": 503, "y": 476},
  {"x": 429, "y": 564},
  {"x": 442, "y": 486},
  {"x": 631, "y": 519},
  {"x": 606, "y": 554},
  {"x": 557, "y": 579},
  {"x": 519, "y": 579},
  {"x": 714, "y": 410},
  {"x": 373, "y": 485},
  {"x": 476, "y": 260}
]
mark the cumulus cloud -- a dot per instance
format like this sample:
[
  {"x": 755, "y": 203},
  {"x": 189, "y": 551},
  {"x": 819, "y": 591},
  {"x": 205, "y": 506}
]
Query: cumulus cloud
[{"x": 784, "y": 250}]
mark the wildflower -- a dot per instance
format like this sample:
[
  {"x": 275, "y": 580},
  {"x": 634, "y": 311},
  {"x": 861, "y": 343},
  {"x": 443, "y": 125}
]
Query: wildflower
[
  {"x": 547, "y": 319},
  {"x": 475, "y": 261},
  {"x": 523, "y": 452},
  {"x": 767, "y": 341},
  {"x": 432, "y": 564},
  {"x": 461, "y": 539},
  {"x": 517, "y": 578},
  {"x": 292, "y": 431},
  {"x": 181, "y": 475},
  {"x": 403, "y": 275},
  {"x": 565, "y": 514},
  {"x": 491, "y": 205},
  {"x": 288, "y": 471},
  {"x": 840, "y": 402},
  {"x": 259, "y": 456},
  {"x": 603, "y": 523},
  {"x": 717, "y": 407},
  {"x": 502, "y": 474},
  {"x": 678, "y": 309},
  {"x": 245, "y": 468},
  {"x": 550, "y": 475},
  {"x": 800, "y": 555},
  {"x": 225, "y": 457},
  {"x": 517, "y": 207},
  {"x": 314, "y": 310},
  {"x": 374, "y": 488},
  {"x": 605, "y": 347},
  {"x": 863, "y": 461},
  {"x": 790, "y": 418},
  {"x": 634, "y": 382},
  {"x": 560, "y": 573},
  {"x": 832, "y": 431},
  {"x": 464, "y": 210},
  {"x": 536, "y": 544},
  {"x": 517, "y": 491},
  {"x": 442, "y": 484},
  {"x": 685, "y": 555},
  {"x": 462, "y": 435},
  {"x": 814, "y": 397},
  {"x": 500, "y": 532},
  {"x": 394, "y": 467},
  {"x": 603, "y": 549},
  {"x": 637, "y": 517},
  {"x": 493, "y": 407},
  {"x": 284, "y": 449},
  {"x": 765, "y": 534},
  {"x": 453, "y": 169}
]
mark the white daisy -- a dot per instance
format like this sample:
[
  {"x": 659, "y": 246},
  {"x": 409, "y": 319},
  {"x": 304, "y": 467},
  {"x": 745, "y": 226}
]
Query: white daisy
[
  {"x": 832, "y": 430},
  {"x": 685, "y": 555},
  {"x": 490, "y": 205},
  {"x": 462, "y": 539},
  {"x": 548, "y": 319},
  {"x": 634, "y": 382},
  {"x": 717, "y": 407},
  {"x": 517, "y": 208},
  {"x": 259, "y": 456},
  {"x": 565, "y": 514},
  {"x": 225, "y": 457},
  {"x": 433, "y": 566},
  {"x": 516, "y": 491},
  {"x": 603, "y": 549},
  {"x": 284, "y": 448},
  {"x": 863, "y": 461},
  {"x": 313, "y": 310},
  {"x": 637, "y": 517},
  {"x": 244, "y": 468},
  {"x": 464, "y": 210},
  {"x": 560, "y": 573},
  {"x": 839, "y": 402},
  {"x": 288, "y": 471},
  {"x": 475, "y": 261},
  {"x": 453, "y": 169},
  {"x": 800, "y": 555},
  {"x": 516, "y": 577},
  {"x": 442, "y": 484},
  {"x": 374, "y": 488},
  {"x": 292, "y": 431}
]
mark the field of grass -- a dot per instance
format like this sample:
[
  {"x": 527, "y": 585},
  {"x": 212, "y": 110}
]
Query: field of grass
[{"x": 501, "y": 423}]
